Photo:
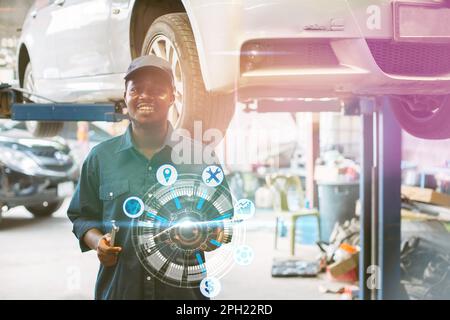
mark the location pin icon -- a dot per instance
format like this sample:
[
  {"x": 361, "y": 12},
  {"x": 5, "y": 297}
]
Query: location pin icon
[{"x": 167, "y": 173}]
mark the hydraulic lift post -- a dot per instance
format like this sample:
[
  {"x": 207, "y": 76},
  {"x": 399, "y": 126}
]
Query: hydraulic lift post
[
  {"x": 389, "y": 203},
  {"x": 380, "y": 196},
  {"x": 365, "y": 191}
]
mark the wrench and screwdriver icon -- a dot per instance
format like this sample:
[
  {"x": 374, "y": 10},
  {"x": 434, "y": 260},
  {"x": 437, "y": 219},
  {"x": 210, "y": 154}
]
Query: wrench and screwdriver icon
[{"x": 213, "y": 175}]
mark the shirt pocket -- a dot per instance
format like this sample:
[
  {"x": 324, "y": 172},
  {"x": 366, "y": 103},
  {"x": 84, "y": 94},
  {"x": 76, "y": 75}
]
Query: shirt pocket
[{"x": 113, "y": 194}]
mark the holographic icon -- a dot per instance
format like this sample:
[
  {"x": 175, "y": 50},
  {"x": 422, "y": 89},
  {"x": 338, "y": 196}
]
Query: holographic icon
[
  {"x": 167, "y": 172},
  {"x": 244, "y": 209},
  {"x": 166, "y": 175},
  {"x": 212, "y": 176},
  {"x": 210, "y": 287},
  {"x": 243, "y": 255},
  {"x": 133, "y": 207}
]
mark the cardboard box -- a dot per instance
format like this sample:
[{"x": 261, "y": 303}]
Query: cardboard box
[
  {"x": 426, "y": 195},
  {"x": 340, "y": 268}
]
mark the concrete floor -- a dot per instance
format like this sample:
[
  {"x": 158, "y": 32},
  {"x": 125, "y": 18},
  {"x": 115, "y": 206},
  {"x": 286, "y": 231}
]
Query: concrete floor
[{"x": 40, "y": 259}]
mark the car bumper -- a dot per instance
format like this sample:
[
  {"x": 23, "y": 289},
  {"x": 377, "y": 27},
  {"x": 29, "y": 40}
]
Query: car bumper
[
  {"x": 48, "y": 195},
  {"x": 340, "y": 23},
  {"x": 20, "y": 189},
  {"x": 357, "y": 73}
]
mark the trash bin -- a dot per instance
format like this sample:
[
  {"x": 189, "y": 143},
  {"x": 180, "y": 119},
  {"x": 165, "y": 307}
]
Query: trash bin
[{"x": 337, "y": 203}]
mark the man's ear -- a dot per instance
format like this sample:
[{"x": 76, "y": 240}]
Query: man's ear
[
  {"x": 172, "y": 98},
  {"x": 125, "y": 110},
  {"x": 125, "y": 90}
]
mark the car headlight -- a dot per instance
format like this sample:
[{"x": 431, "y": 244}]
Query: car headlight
[{"x": 19, "y": 161}]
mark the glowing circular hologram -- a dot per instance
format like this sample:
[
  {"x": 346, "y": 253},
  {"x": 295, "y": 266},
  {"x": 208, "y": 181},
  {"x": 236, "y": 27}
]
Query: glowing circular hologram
[
  {"x": 166, "y": 175},
  {"x": 188, "y": 232},
  {"x": 244, "y": 209},
  {"x": 210, "y": 287},
  {"x": 133, "y": 207},
  {"x": 243, "y": 255},
  {"x": 212, "y": 176}
]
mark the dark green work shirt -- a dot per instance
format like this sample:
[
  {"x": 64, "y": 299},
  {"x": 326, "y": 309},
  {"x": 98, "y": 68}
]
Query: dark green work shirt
[{"x": 113, "y": 171}]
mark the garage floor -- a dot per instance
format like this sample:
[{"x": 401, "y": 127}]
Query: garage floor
[{"x": 40, "y": 259}]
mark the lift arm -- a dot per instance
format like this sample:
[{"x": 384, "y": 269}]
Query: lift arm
[{"x": 55, "y": 111}]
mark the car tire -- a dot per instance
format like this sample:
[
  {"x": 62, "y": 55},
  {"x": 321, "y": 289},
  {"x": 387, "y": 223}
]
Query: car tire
[
  {"x": 433, "y": 124},
  {"x": 38, "y": 128},
  {"x": 40, "y": 211},
  {"x": 193, "y": 102}
]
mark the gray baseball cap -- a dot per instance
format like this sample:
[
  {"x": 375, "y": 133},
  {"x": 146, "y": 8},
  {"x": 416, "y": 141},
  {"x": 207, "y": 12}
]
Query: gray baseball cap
[{"x": 150, "y": 62}]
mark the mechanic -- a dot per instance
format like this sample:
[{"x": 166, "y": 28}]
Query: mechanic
[{"x": 124, "y": 166}]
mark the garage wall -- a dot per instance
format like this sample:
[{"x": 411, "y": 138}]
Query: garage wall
[
  {"x": 12, "y": 15},
  {"x": 341, "y": 131},
  {"x": 253, "y": 137},
  {"x": 426, "y": 153}
]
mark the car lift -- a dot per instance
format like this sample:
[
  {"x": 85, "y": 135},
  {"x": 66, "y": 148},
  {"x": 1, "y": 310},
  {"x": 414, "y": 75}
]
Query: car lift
[
  {"x": 10, "y": 98},
  {"x": 380, "y": 199},
  {"x": 380, "y": 179}
]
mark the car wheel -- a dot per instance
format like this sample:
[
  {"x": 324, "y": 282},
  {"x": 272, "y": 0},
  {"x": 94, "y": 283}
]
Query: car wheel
[
  {"x": 40, "y": 211},
  {"x": 426, "y": 117},
  {"x": 170, "y": 37},
  {"x": 38, "y": 128}
]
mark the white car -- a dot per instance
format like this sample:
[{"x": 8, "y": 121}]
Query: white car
[{"x": 223, "y": 51}]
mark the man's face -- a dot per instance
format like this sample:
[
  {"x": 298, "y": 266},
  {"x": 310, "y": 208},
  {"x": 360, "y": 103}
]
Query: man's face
[{"x": 148, "y": 96}]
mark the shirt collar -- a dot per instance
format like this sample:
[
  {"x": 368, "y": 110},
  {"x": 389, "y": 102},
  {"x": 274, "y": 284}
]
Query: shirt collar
[{"x": 127, "y": 139}]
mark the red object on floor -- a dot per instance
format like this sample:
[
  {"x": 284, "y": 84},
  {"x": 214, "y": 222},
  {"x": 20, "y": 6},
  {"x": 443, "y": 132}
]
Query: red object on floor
[{"x": 350, "y": 276}]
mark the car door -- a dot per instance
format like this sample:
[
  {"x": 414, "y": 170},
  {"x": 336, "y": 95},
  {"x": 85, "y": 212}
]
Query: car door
[
  {"x": 121, "y": 11},
  {"x": 40, "y": 42},
  {"x": 82, "y": 42}
]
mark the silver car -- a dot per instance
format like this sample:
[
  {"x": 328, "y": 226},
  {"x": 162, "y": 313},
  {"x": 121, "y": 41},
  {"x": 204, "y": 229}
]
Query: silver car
[
  {"x": 36, "y": 173},
  {"x": 251, "y": 51}
]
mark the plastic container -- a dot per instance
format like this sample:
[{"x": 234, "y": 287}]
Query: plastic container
[{"x": 337, "y": 203}]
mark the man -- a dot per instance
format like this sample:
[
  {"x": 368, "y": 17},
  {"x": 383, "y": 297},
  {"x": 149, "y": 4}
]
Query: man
[{"x": 119, "y": 168}]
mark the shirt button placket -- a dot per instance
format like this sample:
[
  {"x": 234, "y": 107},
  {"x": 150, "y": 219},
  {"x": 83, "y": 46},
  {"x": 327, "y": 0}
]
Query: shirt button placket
[{"x": 149, "y": 288}]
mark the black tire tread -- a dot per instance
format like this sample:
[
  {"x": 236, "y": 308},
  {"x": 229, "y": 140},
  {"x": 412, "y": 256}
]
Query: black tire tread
[
  {"x": 434, "y": 128},
  {"x": 39, "y": 211},
  {"x": 44, "y": 129},
  {"x": 214, "y": 110}
]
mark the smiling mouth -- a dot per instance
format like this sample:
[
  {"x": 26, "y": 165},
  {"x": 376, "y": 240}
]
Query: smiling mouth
[{"x": 146, "y": 107}]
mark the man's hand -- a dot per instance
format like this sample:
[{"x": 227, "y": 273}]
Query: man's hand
[
  {"x": 218, "y": 234},
  {"x": 100, "y": 242},
  {"x": 106, "y": 254}
]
